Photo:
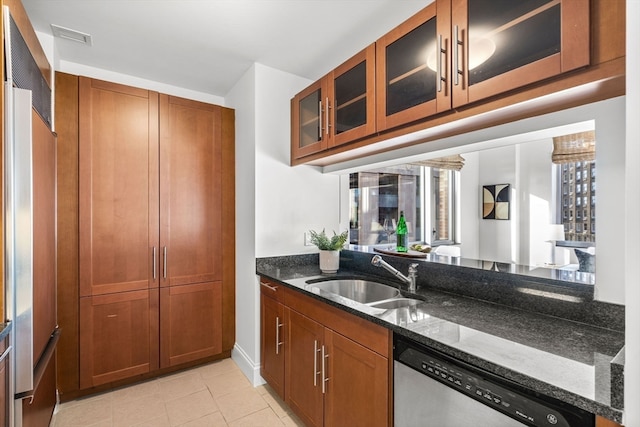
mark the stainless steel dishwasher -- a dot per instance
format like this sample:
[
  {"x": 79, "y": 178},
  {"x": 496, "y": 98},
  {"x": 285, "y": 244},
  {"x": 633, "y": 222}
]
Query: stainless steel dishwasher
[{"x": 433, "y": 389}]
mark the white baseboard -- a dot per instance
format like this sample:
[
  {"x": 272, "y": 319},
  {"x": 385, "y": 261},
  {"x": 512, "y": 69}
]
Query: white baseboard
[{"x": 248, "y": 367}]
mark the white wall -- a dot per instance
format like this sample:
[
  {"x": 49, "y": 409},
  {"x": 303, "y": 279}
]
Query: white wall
[
  {"x": 275, "y": 203},
  {"x": 289, "y": 200},
  {"x": 534, "y": 186},
  {"x": 498, "y": 238},
  {"x": 469, "y": 207},
  {"x": 610, "y": 200},
  {"x": 631, "y": 223},
  {"x": 242, "y": 99}
]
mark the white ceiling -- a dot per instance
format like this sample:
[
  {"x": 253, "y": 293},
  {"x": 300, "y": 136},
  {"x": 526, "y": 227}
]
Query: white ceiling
[{"x": 207, "y": 45}]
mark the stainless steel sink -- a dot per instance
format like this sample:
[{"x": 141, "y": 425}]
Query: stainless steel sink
[
  {"x": 362, "y": 291},
  {"x": 396, "y": 303}
]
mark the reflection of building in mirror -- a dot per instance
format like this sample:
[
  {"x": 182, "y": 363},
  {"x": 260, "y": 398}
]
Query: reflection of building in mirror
[
  {"x": 381, "y": 194},
  {"x": 424, "y": 190},
  {"x": 574, "y": 156}
]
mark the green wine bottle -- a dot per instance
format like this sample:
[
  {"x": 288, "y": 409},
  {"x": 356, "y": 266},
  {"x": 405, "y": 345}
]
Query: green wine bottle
[{"x": 401, "y": 234}]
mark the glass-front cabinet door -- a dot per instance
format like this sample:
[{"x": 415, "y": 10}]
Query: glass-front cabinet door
[
  {"x": 413, "y": 66},
  {"x": 352, "y": 86},
  {"x": 501, "y": 45},
  {"x": 309, "y": 130}
]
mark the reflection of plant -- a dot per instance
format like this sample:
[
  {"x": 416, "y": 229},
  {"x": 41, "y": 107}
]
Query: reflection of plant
[{"x": 322, "y": 241}]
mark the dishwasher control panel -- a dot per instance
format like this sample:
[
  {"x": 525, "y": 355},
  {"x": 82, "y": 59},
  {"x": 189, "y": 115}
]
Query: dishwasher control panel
[{"x": 524, "y": 405}]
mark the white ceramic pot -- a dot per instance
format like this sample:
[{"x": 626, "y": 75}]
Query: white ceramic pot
[{"x": 329, "y": 261}]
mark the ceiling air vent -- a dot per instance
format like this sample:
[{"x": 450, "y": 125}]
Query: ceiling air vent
[{"x": 69, "y": 34}]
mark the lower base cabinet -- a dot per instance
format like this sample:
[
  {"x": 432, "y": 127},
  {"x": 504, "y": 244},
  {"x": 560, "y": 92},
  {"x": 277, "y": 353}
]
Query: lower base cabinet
[
  {"x": 125, "y": 334},
  {"x": 336, "y": 365},
  {"x": 272, "y": 335},
  {"x": 357, "y": 384},
  {"x": 305, "y": 368},
  {"x": 118, "y": 336},
  {"x": 190, "y": 322}
]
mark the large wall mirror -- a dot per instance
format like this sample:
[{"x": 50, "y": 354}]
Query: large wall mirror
[
  {"x": 542, "y": 200},
  {"x": 530, "y": 203}
]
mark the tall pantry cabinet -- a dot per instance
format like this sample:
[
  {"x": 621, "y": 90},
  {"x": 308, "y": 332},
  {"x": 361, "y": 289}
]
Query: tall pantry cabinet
[{"x": 155, "y": 187}]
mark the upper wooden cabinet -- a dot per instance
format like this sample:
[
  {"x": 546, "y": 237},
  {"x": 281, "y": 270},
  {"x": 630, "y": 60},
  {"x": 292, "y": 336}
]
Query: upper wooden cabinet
[
  {"x": 118, "y": 187},
  {"x": 336, "y": 109},
  {"x": 449, "y": 55},
  {"x": 352, "y": 91},
  {"x": 190, "y": 192},
  {"x": 455, "y": 52},
  {"x": 412, "y": 73},
  {"x": 503, "y": 45}
]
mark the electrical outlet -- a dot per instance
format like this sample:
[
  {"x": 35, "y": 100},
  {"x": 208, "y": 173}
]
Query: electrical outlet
[{"x": 307, "y": 239}]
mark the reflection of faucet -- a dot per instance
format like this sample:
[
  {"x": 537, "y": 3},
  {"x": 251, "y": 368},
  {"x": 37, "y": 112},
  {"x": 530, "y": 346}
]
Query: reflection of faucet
[{"x": 413, "y": 272}]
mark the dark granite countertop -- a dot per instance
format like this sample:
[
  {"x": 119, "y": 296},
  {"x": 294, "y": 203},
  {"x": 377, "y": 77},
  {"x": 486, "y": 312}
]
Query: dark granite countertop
[{"x": 568, "y": 360}]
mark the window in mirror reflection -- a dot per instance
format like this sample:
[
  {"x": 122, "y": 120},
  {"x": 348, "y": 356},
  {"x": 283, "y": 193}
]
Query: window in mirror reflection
[
  {"x": 553, "y": 213},
  {"x": 381, "y": 194},
  {"x": 443, "y": 206},
  {"x": 578, "y": 182}
]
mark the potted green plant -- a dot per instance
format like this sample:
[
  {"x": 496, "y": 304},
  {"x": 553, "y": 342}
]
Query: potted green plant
[{"x": 329, "y": 249}]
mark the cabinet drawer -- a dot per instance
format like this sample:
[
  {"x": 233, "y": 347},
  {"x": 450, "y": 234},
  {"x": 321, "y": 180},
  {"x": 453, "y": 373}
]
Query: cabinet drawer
[
  {"x": 271, "y": 289},
  {"x": 366, "y": 333}
]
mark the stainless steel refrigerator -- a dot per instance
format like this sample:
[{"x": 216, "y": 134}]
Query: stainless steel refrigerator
[{"x": 30, "y": 227}]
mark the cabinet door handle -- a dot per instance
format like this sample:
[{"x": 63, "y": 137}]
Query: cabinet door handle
[
  {"x": 271, "y": 288},
  {"x": 164, "y": 257},
  {"x": 324, "y": 372},
  {"x": 154, "y": 264},
  {"x": 456, "y": 56},
  {"x": 440, "y": 75},
  {"x": 320, "y": 119},
  {"x": 278, "y": 343},
  {"x": 315, "y": 363},
  {"x": 326, "y": 112}
]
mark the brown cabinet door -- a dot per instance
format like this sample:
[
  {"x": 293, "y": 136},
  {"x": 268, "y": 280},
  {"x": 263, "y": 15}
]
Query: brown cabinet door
[
  {"x": 190, "y": 322},
  {"x": 506, "y": 45},
  {"x": 412, "y": 68},
  {"x": 118, "y": 336},
  {"x": 352, "y": 108},
  {"x": 303, "y": 381},
  {"x": 272, "y": 334},
  {"x": 357, "y": 389},
  {"x": 190, "y": 192},
  {"x": 309, "y": 120},
  {"x": 118, "y": 190}
]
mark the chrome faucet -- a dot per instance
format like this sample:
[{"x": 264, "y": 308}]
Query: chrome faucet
[{"x": 410, "y": 280}]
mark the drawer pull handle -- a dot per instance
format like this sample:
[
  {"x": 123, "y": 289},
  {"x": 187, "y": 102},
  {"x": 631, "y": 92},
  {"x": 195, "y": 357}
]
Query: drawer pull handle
[
  {"x": 320, "y": 120},
  {"x": 271, "y": 288},
  {"x": 326, "y": 111},
  {"x": 457, "y": 72},
  {"x": 324, "y": 371},
  {"x": 440, "y": 76},
  {"x": 164, "y": 255},
  {"x": 278, "y": 343},
  {"x": 315, "y": 363}
]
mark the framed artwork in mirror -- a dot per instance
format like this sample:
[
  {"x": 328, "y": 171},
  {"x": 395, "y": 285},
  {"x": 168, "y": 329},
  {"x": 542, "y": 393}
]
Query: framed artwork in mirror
[{"x": 495, "y": 201}]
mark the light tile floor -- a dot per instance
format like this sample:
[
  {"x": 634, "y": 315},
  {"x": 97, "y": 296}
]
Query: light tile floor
[{"x": 213, "y": 395}]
